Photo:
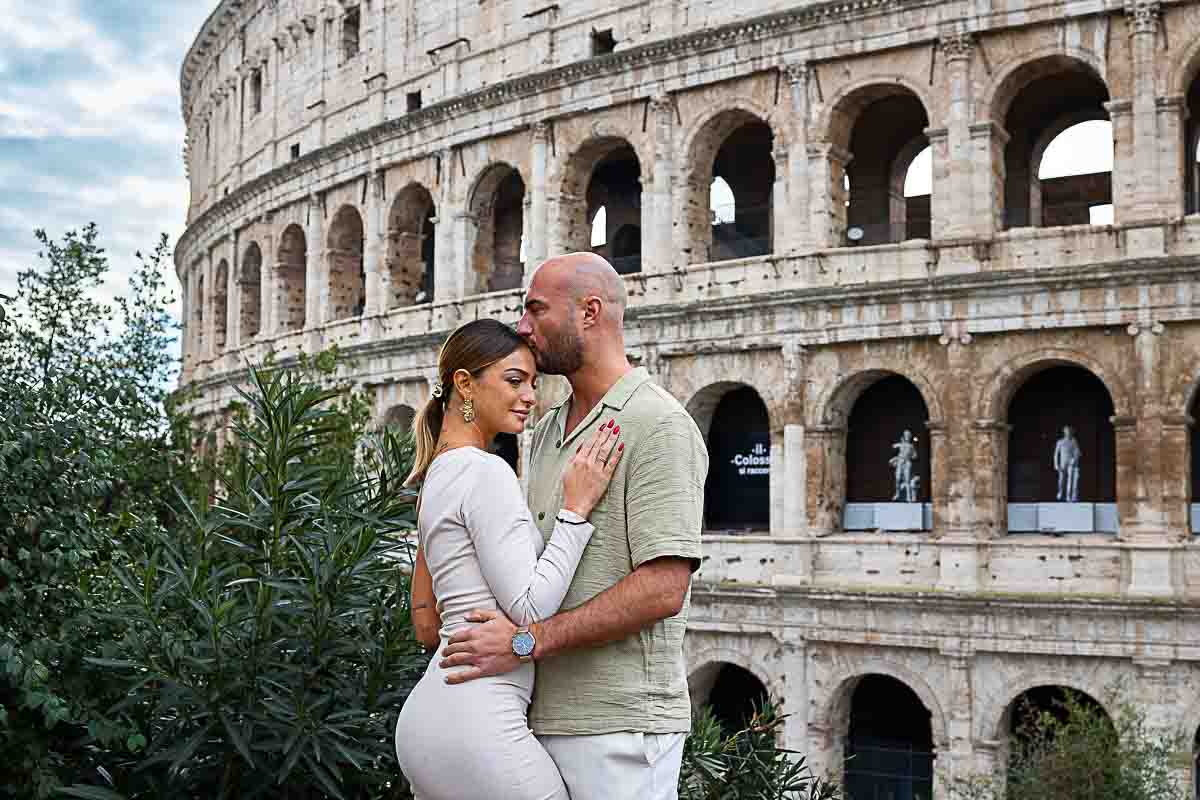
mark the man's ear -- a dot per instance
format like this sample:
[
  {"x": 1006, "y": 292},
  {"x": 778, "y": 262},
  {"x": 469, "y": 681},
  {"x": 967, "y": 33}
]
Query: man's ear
[{"x": 593, "y": 307}]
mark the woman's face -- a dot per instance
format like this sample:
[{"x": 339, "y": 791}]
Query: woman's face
[{"x": 504, "y": 395}]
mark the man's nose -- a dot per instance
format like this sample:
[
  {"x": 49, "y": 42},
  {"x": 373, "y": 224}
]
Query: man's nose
[{"x": 523, "y": 327}]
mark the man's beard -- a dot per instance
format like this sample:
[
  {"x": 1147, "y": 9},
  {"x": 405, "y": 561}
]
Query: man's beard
[{"x": 563, "y": 354}]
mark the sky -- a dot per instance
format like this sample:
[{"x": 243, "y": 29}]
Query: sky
[
  {"x": 90, "y": 125},
  {"x": 91, "y": 129}
]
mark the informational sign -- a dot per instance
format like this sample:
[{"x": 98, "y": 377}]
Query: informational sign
[{"x": 755, "y": 462}]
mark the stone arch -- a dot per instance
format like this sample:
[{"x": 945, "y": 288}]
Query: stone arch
[
  {"x": 1037, "y": 98},
  {"x": 718, "y": 654},
  {"x": 708, "y": 677},
  {"x": 998, "y": 389},
  {"x": 603, "y": 172},
  {"x": 837, "y": 399},
  {"x": 738, "y": 143},
  {"x": 736, "y": 424},
  {"x": 411, "y": 238},
  {"x": 837, "y": 119},
  {"x": 993, "y": 715},
  {"x": 291, "y": 271},
  {"x": 250, "y": 292},
  {"x": 1013, "y": 75},
  {"x": 344, "y": 257},
  {"x": 495, "y": 234},
  {"x": 837, "y": 705},
  {"x": 220, "y": 306}
]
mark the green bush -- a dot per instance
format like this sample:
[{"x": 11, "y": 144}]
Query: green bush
[
  {"x": 85, "y": 450},
  {"x": 268, "y": 645},
  {"x": 746, "y": 764},
  {"x": 1075, "y": 751}
]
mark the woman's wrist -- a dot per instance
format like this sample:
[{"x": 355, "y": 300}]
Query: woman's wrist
[{"x": 577, "y": 510}]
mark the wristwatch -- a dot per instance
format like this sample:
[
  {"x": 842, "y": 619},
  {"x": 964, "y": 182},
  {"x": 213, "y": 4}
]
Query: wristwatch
[{"x": 523, "y": 644}]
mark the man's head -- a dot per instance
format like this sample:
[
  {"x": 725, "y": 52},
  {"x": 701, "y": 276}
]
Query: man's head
[{"x": 574, "y": 312}]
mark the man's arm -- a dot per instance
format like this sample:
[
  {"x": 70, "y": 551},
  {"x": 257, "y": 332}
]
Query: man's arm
[
  {"x": 425, "y": 618},
  {"x": 655, "y": 590}
]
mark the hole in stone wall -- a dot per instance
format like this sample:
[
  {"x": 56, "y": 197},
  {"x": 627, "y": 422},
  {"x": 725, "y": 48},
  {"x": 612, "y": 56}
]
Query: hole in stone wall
[
  {"x": 744, "y": 163},
  {"x": 292, "y": 275},
  {"x": 351, "y": 24},
  {"x": 347, "y": 281},
  {"x": 250, "y": 292},
  {"x": 295, "y": 151},
  {"x": 412, "y": 101},
  {"x": 603, "y": 42}
]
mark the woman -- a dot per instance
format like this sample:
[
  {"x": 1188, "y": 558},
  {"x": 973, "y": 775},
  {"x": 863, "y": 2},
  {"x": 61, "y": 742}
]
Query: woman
[{"x": 479, "y": 548}]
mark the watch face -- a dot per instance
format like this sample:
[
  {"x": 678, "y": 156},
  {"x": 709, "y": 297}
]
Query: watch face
[{"x": 522, "y": 644}]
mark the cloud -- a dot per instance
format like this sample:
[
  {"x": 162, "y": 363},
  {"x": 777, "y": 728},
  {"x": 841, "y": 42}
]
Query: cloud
[{"x": 90, "y": 126}]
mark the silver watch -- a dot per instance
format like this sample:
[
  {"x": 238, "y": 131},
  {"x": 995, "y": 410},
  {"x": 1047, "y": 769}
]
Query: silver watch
[{"x": 523, "y": 644}]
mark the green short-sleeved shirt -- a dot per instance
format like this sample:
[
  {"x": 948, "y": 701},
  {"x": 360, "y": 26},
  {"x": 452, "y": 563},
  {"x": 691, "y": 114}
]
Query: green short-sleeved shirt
[{"x": 653, "y": 508}]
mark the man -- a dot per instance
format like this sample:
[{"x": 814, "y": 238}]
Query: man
[{"x": 611, "y": 702}]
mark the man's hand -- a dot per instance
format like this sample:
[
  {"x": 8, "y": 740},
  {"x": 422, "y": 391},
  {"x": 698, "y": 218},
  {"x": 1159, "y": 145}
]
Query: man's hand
[{"x": 486, "y": 648}]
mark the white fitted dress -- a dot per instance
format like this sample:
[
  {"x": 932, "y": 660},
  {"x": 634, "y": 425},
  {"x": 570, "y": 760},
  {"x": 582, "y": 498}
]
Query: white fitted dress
[{"x": 484, "y": 551}]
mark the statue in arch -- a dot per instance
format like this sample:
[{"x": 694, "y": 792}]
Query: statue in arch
[
  {"x": 1067, "y": 458},
  {"x": 902, "y": 463}
]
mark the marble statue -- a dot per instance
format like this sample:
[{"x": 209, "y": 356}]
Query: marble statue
[
  {"x": 902, "y": 462},
  {"x": 1067, "y": 458}
]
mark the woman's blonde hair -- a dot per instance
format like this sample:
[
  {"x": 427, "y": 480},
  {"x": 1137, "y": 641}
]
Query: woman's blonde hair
[{"x": 473, "y": 347}]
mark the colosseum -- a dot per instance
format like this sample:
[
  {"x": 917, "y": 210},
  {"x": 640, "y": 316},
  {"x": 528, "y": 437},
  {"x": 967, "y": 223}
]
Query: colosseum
[{"x": 372, "y": 173}]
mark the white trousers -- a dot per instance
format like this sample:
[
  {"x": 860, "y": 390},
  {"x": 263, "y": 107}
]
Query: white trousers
[{"x": 616, "y": 766}]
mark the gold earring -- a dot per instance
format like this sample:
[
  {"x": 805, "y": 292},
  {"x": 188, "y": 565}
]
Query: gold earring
[{"x": 468, "y": 410}]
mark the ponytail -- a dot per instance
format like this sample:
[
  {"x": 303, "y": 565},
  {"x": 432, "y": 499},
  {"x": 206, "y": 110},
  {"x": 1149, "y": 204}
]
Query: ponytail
[
  {"x": 473, "y": 347},
  {"x": 426, "y": 429}
]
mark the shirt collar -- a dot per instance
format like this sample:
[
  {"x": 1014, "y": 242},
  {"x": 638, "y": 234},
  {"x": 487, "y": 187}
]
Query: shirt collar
[{"x": 619, "y": 393}]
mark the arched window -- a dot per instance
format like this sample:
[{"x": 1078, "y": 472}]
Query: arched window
[
  {"x": 1038, "y": 103},
  {"x": 412, "y": 238},
  {"x": 291, "y": 276},
  {"x": 220, "y": 293},
  {"x": 1076, "y": 165},
  {"x": 250, "y": 292},
  {"x": 737, "y": 492},
  {"x": 497, "y": 240},
  {"x": 722, "y": 203},
  {"x": 732, "y": 694},
  {"x": 889, "y": 746},
  {"x": 600, "y": 228},
  {"x": 347, "y": 279}
]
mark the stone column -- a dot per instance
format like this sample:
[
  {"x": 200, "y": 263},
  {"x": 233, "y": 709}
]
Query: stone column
[
  {"x": 825, "y": 478},
  {"x": 447, "y": 269},
  {"x": 827, "y": 196},
  {"x": 233, "y": 296},
  {"x": 1143, "y": 20},
  {"x": 959, "y": 207},
  {"x": 1124, "y": 160},
  {"x": 657, "y": 207},
  {"x": 942, "y": 199},
  {"x": 316, "y": 287},
  {"x": 797, "y": 219},
  {"x": 268, "y": 316},
  {"x": 186, "y": 346},
  {"x": 956, "y": 755},
  {"x": 987, "y": 177},
  {"x": 989, "y": 454},
  {"x": 210, "y": 317},
  {"x": 537, "y": 249},
  {"x": 779, "y": 236},
  {"x": 1172, "y": 154},
  {"x": 374, "y": 243}
]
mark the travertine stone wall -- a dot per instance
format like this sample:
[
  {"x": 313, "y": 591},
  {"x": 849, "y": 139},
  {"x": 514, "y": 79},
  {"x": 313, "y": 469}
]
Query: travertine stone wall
[{"x": 375, "y": 199}]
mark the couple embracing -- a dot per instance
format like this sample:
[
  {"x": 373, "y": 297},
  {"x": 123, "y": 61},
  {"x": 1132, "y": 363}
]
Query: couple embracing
[{"x": 588, "y": 578}]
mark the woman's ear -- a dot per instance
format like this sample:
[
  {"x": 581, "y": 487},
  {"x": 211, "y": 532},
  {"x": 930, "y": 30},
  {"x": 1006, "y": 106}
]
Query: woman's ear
[{"x": 463, "y": 383}]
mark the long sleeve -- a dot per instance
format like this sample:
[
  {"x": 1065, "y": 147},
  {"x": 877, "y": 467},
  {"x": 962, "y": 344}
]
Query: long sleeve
[{"x": 528, "y": 588}]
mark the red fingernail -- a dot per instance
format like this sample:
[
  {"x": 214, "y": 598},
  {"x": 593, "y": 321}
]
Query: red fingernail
[
  {"x": 616, "y": 430},
  {"x": 580, "y": 450},
  {"x": 620, "y": 447},
  {"x": 611, "y": 422}
]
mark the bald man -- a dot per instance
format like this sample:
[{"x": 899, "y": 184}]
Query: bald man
[{"x": 611, "y": 701}]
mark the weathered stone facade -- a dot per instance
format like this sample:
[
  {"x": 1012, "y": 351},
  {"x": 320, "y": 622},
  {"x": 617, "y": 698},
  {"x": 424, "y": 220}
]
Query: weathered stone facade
[{"x": 372, "y": 173}]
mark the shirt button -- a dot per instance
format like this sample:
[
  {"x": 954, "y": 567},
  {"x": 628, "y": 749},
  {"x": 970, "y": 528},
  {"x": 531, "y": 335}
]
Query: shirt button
[
  {"x": 541, "y": 516},
  {"x": 558, "y": 443}
]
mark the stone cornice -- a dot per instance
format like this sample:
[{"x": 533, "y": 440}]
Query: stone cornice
[{"x": 518, "y": 88}]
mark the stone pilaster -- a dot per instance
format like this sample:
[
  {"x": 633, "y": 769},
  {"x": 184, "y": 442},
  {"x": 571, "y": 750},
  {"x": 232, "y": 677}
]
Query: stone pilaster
[
  {"x": 958, "y": 213},
  {"x": 987, "y": 176},
  {"x": 658, "y": 213},
  {"x": 797, "y": 217},
  {"x": 989, "y": 455},
  {"x": 374, "y": 246},
  {"x": 537, "y": 249},
  {"x": 825, "y": 478},
  {"x": 315, "y": 279},
  {"x": 1143, "y": 18}
]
